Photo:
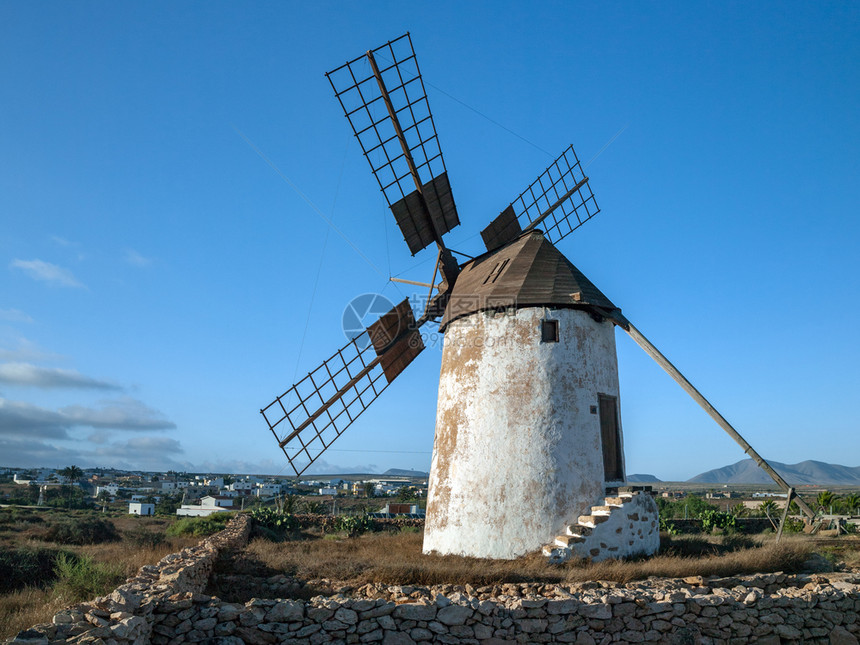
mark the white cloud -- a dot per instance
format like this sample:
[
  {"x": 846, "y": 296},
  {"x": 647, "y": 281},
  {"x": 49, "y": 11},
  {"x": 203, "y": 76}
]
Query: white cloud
[
  {"x": 146, "y": 445},
  {"x": 19, "y": 419},
  {"x": 136, "y": 259},
  {"x": 125, "y": 413},
  {"x": 46, "y": 272},
  {"x": 145, "y": 453},
  {"x": 100, "y": 436},
  {"x": 139, "y": 453},
  {"x": 14, "y": 315},
  {"x": 264, "y": 467},
  {"x": 32, "y": 453},
  {"x": 49, "y": 377},
  {"x": 26, "y": 350},
  {"x": 61, "y": 241},
  {"x": 23, "y": 419}
]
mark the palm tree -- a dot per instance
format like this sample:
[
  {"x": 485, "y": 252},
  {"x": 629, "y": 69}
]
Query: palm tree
[
  {"x": 71, "y": 474},
  {"x": 291, "y": 503},
  {"x": 852, "y": 503},
  {"x": 825, "y": 499},
  {"x": 104, "y": 498},
  {"x": 767, "y": 507},
  {"x": 739, "y": 510}
]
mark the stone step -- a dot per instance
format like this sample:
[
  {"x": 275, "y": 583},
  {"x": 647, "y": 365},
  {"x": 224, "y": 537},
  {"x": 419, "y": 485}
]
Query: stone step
[
  {"x": 591, "y": 520},
  {"x": 635, "y": 489},
  {"x": 616, "y": 501},
  {"x": 615, "y": 490},
  {"x": 557, "y": 554},
  {"x": 601, "y": 510},
  {"x": 567, "y": 540},
  {"x": 579, "y": 530}
]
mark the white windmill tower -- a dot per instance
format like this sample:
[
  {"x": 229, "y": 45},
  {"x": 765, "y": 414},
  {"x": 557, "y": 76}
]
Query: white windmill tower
[{"x": 528, "y": 432}]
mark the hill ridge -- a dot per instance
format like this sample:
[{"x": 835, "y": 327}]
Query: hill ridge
[{"x": 803, "y": 473}]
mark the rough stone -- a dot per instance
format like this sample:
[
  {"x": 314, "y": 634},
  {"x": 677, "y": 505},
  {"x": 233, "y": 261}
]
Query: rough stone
[
  {"x": 415, "y": 612},
  {"x": 454, "y": 615},
  {"x": 286, "y": 611},
  {"x": 841, "y": 636}
]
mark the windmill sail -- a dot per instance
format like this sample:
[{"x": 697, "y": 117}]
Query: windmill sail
[
  {"x": 559, "y": 201},
  {"x": 314, "y": 412},
  {"x": 383, "y": 97}
]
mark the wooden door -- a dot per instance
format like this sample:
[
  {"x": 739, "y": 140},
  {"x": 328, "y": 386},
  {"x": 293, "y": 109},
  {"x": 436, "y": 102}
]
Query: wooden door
[{"x": 611, "y": 438}]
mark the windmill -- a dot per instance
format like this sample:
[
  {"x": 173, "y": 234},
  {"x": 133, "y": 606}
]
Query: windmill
[{"x": 528, "y": 432}]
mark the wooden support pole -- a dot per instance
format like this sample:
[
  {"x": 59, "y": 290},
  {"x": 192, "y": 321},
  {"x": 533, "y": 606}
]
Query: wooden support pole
[
  {"x": 679, "y": 378},
  {"x": 788, "y": 499}
]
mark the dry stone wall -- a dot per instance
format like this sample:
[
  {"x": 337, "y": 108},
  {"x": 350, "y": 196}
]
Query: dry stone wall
[
  {"x": 164, "y": 605},
  {"x": 767, "y": 609},
  {"x": 126, "y": 615}
]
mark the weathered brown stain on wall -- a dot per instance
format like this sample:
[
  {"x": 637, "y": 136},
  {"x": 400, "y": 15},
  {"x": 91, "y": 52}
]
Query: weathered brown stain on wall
[{"x": 517, "y": 452}]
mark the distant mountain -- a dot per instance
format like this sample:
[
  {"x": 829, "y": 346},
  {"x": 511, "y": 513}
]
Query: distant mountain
[
  {"x": 642, "y": 479},
  {"x": 399, "y": 472},
  {"x": 806, "y": 472}
]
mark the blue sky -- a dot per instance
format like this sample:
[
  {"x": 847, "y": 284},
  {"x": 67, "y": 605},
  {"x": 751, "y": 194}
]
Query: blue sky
[{"x": 160, "y": 282}]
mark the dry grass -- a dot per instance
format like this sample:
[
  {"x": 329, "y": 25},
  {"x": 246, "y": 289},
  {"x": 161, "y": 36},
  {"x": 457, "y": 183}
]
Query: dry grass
[
  {"x": 27, "y": 607},
  {"x": 23, "y": 609},
  {"x": 133, "y": 558},
  {"x": 397, "y": 559},
  {"x": 842, "y": 549}
]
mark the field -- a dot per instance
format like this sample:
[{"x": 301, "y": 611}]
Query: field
[
  {"x": 319, "y": 564},
  {"x": 397, "y": 559},
  {"x": 51, "y": 558}
]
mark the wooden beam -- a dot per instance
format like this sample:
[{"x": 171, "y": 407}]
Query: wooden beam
[
  {"x": 325, "y": 406},
  {"x": 415, "y": 283},
  {"x": 407, "y": 153},
  {"x": 558, "y": 203}
]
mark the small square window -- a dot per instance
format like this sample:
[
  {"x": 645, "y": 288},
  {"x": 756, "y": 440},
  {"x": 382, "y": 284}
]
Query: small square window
[{"x": 549, "y": 331}]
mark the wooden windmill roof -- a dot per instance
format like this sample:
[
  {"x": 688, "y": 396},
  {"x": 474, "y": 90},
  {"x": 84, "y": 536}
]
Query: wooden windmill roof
[{"x": 529, "y": 272}]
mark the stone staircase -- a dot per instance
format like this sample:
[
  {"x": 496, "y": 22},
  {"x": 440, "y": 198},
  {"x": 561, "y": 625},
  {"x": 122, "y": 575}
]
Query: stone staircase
[{"x": 625, "y": 524}]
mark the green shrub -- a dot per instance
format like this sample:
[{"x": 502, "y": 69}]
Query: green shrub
[
  {"x": 82, "y": 578},
  {"x": 314, "y": 507},
  {"x": 272, "y": 519},
  {"x": 141, "y": 537},
  {"x": 354, "y": 525},
  {"x": 82, "y": 531},
  {"x": 199, "y": 526},
  {"x": 20, "y": 568},
  {"x": 667, "y": 527},
  {"x": 714, "y": 519}
]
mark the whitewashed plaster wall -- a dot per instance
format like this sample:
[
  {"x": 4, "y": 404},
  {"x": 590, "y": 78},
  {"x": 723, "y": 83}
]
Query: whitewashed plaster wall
[
  {"x": 631, "y": 529},
  {"x": 517, "y": 454}
]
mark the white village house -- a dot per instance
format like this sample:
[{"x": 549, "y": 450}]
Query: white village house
[
  {"x": 208, "y": 505},
  {"x": 141, "y": 508}
]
